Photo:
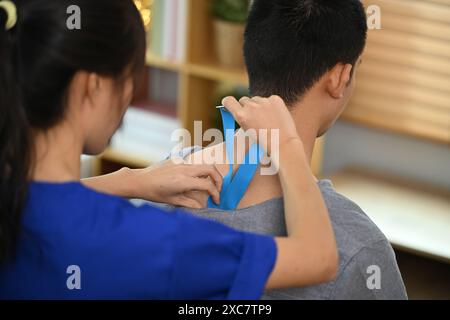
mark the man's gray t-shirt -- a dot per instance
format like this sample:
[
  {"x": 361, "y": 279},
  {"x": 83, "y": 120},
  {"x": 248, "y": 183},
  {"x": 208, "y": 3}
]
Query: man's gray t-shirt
[{"x": 367, "y": 268}]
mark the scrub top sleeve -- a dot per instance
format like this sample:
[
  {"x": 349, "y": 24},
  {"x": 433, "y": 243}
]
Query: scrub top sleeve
[{"x": 213, "y": 261}]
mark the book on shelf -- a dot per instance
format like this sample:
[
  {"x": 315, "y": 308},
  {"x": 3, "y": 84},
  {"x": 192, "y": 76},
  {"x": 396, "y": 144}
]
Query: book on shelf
[
  {"x": 158, "y": 92},
  {"x": 162, "y": 108},
  {"x": 168, "y": 29},
  {"x": 145, "y": 134}
]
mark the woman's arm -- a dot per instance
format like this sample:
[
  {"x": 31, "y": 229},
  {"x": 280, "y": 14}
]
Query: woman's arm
[
  {"x": 308, "y": 255},
  {"x": 166, "y": 182}
]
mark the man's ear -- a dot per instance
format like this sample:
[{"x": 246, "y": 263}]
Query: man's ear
[{"x": 338, "y": 80}]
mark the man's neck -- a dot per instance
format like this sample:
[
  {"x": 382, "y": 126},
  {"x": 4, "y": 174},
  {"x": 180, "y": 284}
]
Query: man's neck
[
  {"x": 307, "y": 124},
  {"x": 265, "y": 187}
]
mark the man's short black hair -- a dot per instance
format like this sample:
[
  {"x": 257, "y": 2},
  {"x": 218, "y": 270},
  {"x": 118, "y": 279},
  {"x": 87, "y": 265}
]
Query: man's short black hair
[{"x": 291, "y": 44}]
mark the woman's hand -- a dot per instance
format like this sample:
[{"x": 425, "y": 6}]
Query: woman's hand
[
  {"x": 263, "y": 114},
  {"x": 167, "y": 182},
  {"x": 177, "y": 184}
]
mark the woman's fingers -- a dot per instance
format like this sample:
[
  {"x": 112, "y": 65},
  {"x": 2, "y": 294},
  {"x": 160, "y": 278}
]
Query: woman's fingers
[
  {"x": 244, "y": 100},
  {"x": 249, "y": 102},
  {"x": 202, "y": 184},
  {"x": 186, "y": 202},
  {"x": 207, "y": 171},
  {"x": 260, "y": 100},
  {"x": 232, "y": 105}
]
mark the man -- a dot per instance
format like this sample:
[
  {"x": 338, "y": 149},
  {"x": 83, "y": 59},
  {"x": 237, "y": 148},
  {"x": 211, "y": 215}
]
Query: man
[{"x": 308, "y": 52}]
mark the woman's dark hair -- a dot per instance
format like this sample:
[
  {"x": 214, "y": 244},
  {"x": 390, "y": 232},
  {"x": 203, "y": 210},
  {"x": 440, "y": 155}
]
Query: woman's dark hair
[
  {"x": 291, "y": 44},
  {"x": 38, "y": 59}
]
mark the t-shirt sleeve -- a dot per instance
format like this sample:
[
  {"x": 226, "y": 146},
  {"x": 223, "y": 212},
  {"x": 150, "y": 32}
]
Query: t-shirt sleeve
[
  {"x": 371, "y": 274},
  {"x": 146, "y": 253},
  {"x": 216, "y": 262}
]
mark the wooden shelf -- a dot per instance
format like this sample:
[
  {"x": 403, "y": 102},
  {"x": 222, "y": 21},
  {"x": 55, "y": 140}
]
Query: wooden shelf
[
  {"x": 218, "y": 73},
  {"x": 206, "y": 71},
  {"x": 414, "y": 217},
  {"x": 158, "y": 62}
]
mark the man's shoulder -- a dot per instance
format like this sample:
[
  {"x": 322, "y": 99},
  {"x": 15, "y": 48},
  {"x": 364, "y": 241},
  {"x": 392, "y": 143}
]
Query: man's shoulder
[
  {"x": 364, "y": 253},
  {"x": 363, "y": 249},
  {"x": 372, "y": 273},
  {"x": 354, "y": 230}
]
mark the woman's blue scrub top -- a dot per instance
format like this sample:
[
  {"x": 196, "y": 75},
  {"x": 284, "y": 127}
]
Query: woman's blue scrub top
[{"x": 125, "y": 252}]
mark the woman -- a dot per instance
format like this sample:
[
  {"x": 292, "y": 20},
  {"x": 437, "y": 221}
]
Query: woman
[{"x": 64, "y": 93}]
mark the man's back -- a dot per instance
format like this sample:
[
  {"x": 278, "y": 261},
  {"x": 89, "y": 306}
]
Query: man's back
[{"x": 368, "y": 268}]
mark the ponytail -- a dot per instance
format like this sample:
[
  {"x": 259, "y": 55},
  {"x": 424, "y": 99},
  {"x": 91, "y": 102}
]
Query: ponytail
[{"x": 14, "y": 146}]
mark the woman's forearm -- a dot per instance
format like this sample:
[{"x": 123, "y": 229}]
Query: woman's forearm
[
  {"x": 309, "y": 250},
  {"x": 303, "y": 200},
  {"x": 120, "y": 183},
  {"x": 165, "y": 182}
]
